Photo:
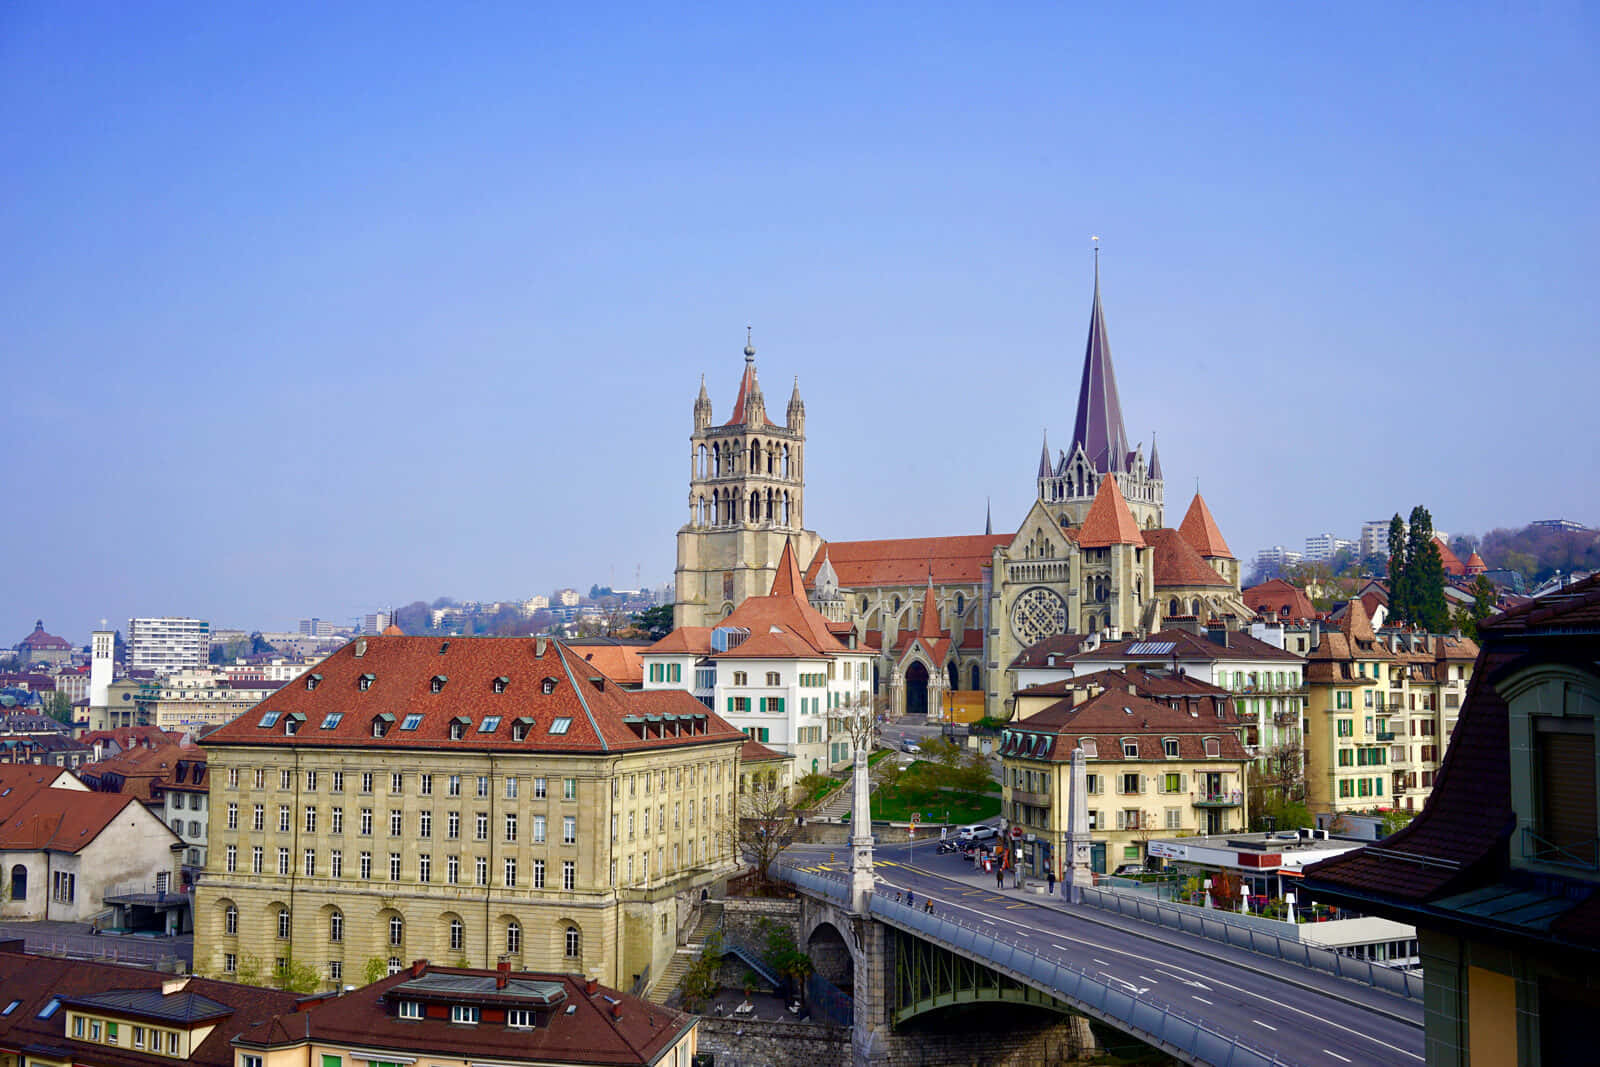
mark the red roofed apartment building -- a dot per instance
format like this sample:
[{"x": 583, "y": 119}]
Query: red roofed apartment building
[
  {"x": 1091, "y": 556},
  {"x": 472, "y": 799}
]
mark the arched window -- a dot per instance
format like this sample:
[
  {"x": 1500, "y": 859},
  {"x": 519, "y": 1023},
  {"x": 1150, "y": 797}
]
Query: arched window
[
  {"x": 961, "y": 604},
  {"x": 977, "y": 680},
  {"x": 283, "y": 923},
  {"x": 754, "y": 514},
  {"x": 230, "y": 920},
  {"x": 755, "y": 457},
  {"x": 336, "y": 925},
  {"x": 19, "y": 882},
  {"x": 395, "y": 966},
  {"x": 513, "y": 938},
  {"x": 397, "y": 930},
  {"x": 574, "y": 943},
  {"x": 458, "y": 935},
  {"x": 1174, "y": 608}
]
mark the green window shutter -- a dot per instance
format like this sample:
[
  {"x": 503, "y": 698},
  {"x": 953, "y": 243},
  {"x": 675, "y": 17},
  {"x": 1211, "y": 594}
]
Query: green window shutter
[{"x": 730, "y": 704}]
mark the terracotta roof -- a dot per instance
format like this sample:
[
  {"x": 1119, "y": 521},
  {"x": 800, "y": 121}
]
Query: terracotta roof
[
  {"x": 491, "y": 681},
  {"x": 782, "y": 625},
  {"x": 39, "y": 641},
  {"x": 1109, "y": 521},
  {"x": 60, "y": 820},
  {"x": 1186, "y": 646},
  {"x": 692, "y": 640},
  {"x": 1278, "y": 599},
  {"x": 606, "y": 1026},
  {"x": 1151, "y": 685},
  {"x": 748, "y": 386},
  {"x": 1356, "y": 624},
  {"x": 756, "y": 752},
  {"x": 1200, "y": 530},
  {"x": 869, "y": 564},
  {"x": 620, "y": 663},
  {"x": 1178, "y": 565},
  {"x": 1038, "y": 655},
  {"x": 788, "y": 581},
  {"x": 393, "y": 631},
  {"x": 34, "y": 980},
  {"x": 1115, "y": 715},
  {"x": 1475, "y": 564},
  {"x": 928, "y": 624},
  {"x": 137, "y": 772},
  {"x": 1452, "y": 562}
]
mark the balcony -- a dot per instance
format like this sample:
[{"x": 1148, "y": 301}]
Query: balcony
[
  {"x": 1385, "y": 735},
  {"x": 1222, "y": 799},
  {"x": 1037, "y": 800},
  {"x": 1583, "y": 855}
]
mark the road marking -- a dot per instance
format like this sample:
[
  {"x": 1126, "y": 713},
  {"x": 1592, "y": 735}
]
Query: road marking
[
  {"x": 1190, "y": 982},
  {"x": 1014, "y": 907},
  {"x": 1064, "y": 948},
  {"x": 1146, "y": 977},
  {"x": 1243, "y": 991},
  {"x": 1137, "y": 990},
  {"x": 989, "y": 921},
  {"x": 1102, "y": 963},
  {"x": 1258, "y": 1022},
  {"x": 1202, "y": 1000},
  {"x": 1335, "y": 1055}
]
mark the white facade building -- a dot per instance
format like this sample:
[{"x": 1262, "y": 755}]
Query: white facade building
[{"x": 168, "y": 644}]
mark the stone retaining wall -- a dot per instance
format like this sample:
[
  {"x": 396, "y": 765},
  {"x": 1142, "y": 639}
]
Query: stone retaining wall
[
  {"x": 747, "y": 1043},
  {"x": 741, "y": 919}
]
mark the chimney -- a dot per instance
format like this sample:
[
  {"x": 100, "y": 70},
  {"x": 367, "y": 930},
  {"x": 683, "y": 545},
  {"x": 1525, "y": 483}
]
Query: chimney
[
  {"x": 169, "y": 986},
  {"x": 1079, "y": 696},
  {"x": 1316, "y": 634},
  {"x": 540, "y": 645},
  {"x": 502, "y": 974},
  {"x": 419, "y": 968},
  {"x": 591, "y": 986},
  {"x": 616, "y": 1010}
]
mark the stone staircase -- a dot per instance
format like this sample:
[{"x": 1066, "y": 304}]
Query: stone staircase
[
  {"x": 708, "y": 919},
  {"x": 843, "y": 799}
]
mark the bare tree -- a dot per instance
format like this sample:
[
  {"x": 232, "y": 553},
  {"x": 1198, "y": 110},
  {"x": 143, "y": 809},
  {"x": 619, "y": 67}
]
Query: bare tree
[{"x": 765, "y": 824}]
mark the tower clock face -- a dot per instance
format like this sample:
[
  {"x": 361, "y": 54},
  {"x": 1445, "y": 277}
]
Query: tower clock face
[{"x": 1037, "y": 614}]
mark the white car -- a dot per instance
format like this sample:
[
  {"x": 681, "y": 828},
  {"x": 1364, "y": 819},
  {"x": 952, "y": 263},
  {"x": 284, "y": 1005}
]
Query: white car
[{"x": 977, "y": 832}]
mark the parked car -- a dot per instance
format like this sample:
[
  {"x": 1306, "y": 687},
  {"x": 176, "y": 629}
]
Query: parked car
[
  {"x": 1129, "y": 870},
  {"x": 911, "y": 746},
  {"x": 977, "y": 832}
]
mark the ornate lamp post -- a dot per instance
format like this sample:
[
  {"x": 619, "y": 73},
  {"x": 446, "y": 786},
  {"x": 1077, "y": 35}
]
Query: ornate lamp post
[{"x": 855, "y": 719}]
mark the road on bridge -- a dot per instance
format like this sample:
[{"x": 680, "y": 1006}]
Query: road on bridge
[{"x": 1302, "y": 1016}]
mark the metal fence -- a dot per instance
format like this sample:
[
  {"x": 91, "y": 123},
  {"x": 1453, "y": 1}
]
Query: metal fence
[
  {"x": 1256, "y": 934},
  {"x": 1153, "y": 1021},
  {"x": 829, "y": 1001}
]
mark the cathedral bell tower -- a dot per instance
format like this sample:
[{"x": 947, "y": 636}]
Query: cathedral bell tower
[{"x": 746, "y": 499}]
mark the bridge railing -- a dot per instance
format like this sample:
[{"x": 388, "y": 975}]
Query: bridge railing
[
  {"x": 1150, "y": 1019},
  {"x": 1246, "y": 932}
]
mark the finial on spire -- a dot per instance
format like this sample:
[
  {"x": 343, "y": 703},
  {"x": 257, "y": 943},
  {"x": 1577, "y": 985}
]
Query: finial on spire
[{"x": 749, "y": 345}]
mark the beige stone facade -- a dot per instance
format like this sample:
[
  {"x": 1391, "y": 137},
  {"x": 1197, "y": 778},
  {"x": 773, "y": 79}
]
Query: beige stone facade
[{"x": 552, "y": 834}]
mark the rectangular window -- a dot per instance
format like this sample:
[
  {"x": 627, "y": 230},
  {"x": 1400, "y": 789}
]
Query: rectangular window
[
  {"x": 258, "y": 818},
  {"x": 395, "y": 823},
  {"x": 511, "y": 872},
  {"x": 232, "y": 858},
  {"x": 336, "y": 863},
  {"x": 519, "y": 1018},
  {"x": 255, "y": 859},
  {"x": 424, "y": 867},
  {"x": 425, "y": 824},
  {"x": 336, "y": 820},
  {"x": 569, "y": 789},
  {"x": 569, "y": 874},
  {"x": 453, "y": 825},
  {"x": 394, "y": 866},
  {"x": 1130, "y": 783},
  {"x": 453, "y": 785},
  {"x": 480, "y": 826},
  {"x": 569, "y": 829},
  {"x": 337, "y": 785},
  {"x": 311, "y": 820},
  {"x": 397, "y": 782},
  {"x": 311, "y": 781},
  {"x": 366, "y": 866},
  {"x": 410, "y": 1009},
  {"x": 233, "y": 816},
  {"x": 538, "y": 874},
  {"x": 283, "y": 861},
  {"x": 311, "y": 863},
  {"x": 511, "y": 789},
  {"x": 483, "y": 785},
  {"x": 511, "y": 827},
  {"x": 538, "y": 828},
  {"x": 425, "y": 784},
  {"x": 538, "y": 788},
  {"x": 452, "y": 870},
  {"x": 480, "y": 867},
  {"x": 464, "y": 1013}
]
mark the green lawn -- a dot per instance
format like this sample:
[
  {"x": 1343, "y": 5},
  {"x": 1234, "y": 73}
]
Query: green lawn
[{"x": 961, "y": 807}]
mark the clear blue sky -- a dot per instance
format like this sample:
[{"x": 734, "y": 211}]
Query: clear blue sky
[{"x": 312, "y": 309}]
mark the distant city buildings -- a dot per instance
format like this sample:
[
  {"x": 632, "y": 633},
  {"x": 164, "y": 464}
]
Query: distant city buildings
[
  {"x": 168, "y": 643},
  {"x": 1567, "y": 525},
  {"x": 1324, "y": 546},
  {"x": 44, "y": 648},
  {"x": 1375, "y": 537}
]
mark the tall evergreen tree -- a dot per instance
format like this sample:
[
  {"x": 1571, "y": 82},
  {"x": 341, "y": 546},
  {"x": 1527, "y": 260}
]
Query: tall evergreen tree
[
  {"x": 1400, "y": 598},
  {"x": 1425, "y": 575}
]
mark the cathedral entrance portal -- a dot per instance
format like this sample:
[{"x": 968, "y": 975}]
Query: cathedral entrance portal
[{"x": 916, "y": 689}]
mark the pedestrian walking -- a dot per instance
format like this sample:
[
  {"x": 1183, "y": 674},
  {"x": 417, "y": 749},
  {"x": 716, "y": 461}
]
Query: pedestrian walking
[
  {"x": 1050, "y": 880},
  {"x": 911, "y": 898},
  {"x": 928, "y": 906},
  {"x": 999, "y": 877}
]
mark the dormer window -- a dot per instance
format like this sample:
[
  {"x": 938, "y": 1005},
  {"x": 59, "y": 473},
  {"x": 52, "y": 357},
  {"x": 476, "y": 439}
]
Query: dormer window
[
  {"x": 364, "y": 682},
  {"x": 466, "y": 1014},
  {"x": 1090, "y": 746},
  {"x": 444, "y": 648},
  {"x": 500, "y": 684},
  {"x": 1213, "y": 747},
  {"x": 520, "y": 728},
  {"x": 292, "y": 723},
  {"x": 458, "y": 727},
  {"x": 1130, "y": 748},
  {"x": 1169, "y": 747},
  {"x": 436, "y": 683},
  {"x": 381, "y": 724},
  {"x": 548, "y": 686},
  {"x": 312, "y": 681},
  {"x": 409, "y": 1009}
]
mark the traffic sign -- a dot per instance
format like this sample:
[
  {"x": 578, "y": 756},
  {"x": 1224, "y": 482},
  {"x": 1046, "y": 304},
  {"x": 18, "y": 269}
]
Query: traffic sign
[
  {"x": 1016, "y": 832},
  {"x": 916, "y": 817}
]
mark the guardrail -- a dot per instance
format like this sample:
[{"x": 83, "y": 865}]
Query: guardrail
[
  {"x": 1255, "y": 934},
  {"x": 1151, "y": 1020}
]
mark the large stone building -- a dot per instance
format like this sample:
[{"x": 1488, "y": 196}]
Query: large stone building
[
  {"x": 463, "y": 799},
  {"x": 1092, "y": 554}
]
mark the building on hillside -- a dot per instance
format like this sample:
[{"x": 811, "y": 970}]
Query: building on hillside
[
  {"x": 1153, "y": 770},
  {"x": 1276, "y": 600},
  {"x": 64, "y": 849},
  {"x": 774, "y": 670},
  {"x": 1274, "y": 559},
  {"x": 1375, "y": 537},
  {"x": 1090, "y": 556},
  {"x": 40, "y": 648},
  {"x": 168, "y": 644},
  {"x": 475, "y": 799},
  {"x": 65, "y": 1011},
  {"x": 1322, "y": 547},
  {"x": 461, "y": 1017},
  {"x": 1380, "y": 711},
  {"x": 196, "y": 700},
  {"x": 1500, "y": 873}
]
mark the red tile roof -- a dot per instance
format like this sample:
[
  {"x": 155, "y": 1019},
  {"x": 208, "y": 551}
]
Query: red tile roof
[
  {"x": 756, "y": 752},
  {"x": 1116, "y": 715},
  {"x": 1201, "y": 531},
  {"x": 137, "y": 772},
  {"x": 1178, "y": 565},
  {"x": 1186, "y": 646},
  {"x": 1452, "y": 562},
  {"x": 1109, "y": 521},
  {"x": 620, "y": 663},
  {"x": 747, "y": 386},
  {"x": 869, "y": 564},
  {"x": 39, "y": 641},
  {"x": 1278, "y": 599},
  {"x": 599, "y": 715}
]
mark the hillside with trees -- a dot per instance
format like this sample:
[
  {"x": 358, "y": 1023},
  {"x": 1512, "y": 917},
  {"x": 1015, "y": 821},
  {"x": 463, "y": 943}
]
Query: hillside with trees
[{"x": 1535, "y": 552}]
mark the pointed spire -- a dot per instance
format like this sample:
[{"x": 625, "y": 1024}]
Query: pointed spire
[
  {"x": 1201, "y": 530},
  {"x": 1099, "y": 428},
  {"x": 1155, "y": 459},
  {"x": 749, "y": 387},
  {"x": 928, "y": 625},
  {"x": 1356, "y": 624},
  {"x": 827, "y": 580},
  {"x": 1044, "y": 457},
  {"x": 1109, "y": 521},
  {"x": 788, "y": 581},
  {"x": 794, "y": 397},
  {"x": 988, "y": 518}
]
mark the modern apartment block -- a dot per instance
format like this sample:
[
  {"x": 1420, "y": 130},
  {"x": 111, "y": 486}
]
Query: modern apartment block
[{"x": 168, "y": 644}]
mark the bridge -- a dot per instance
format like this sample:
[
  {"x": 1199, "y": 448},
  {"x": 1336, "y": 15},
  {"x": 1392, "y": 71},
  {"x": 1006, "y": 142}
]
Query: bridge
[{"x": 1198, "y": 1000}]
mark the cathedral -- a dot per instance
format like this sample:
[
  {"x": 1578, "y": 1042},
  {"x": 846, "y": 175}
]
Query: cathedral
[{"x": 1092, "y": 559}]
